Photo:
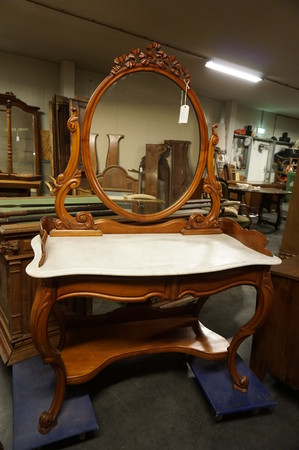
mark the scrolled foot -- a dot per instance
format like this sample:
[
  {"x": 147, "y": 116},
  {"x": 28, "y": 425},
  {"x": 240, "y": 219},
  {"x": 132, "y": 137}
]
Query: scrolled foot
[
  {"x": 241, "y": 384},
  {"x": 46, "y": 422}
]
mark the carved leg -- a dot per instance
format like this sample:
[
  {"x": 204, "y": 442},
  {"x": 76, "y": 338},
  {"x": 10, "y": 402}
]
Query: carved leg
[
  {"x": 48, "y": 419},
  {"x": 263, "y": 308},
  {"x": 42, "y": 306},
  {"x": 278, "y": 206}
]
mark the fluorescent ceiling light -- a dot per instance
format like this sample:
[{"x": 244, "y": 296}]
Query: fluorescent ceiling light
[
  {"x": 261, "y": 130},
  {"x": 234, "y": 70}
]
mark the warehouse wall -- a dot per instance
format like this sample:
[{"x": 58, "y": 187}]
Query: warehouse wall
[{"x": 35, "y": 82}]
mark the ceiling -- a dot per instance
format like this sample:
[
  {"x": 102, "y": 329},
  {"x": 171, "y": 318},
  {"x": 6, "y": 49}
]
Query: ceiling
[{"x": 260, "y": 35}]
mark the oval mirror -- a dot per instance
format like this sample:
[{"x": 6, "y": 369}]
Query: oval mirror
[{"x": 148, "y": 158}]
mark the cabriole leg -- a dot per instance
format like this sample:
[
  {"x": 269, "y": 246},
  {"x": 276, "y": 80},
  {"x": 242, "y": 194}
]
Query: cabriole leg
[
  {"x": 44, "y": 301},
  {"x": 263, "y": 308}
]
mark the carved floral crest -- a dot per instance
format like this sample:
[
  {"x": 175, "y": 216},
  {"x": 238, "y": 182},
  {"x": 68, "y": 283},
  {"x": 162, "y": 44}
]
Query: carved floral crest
[{"x": 152, "y": 56}]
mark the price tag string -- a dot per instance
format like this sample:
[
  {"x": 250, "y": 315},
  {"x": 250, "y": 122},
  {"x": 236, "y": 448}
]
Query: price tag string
[{"x": 184, "y": 93}]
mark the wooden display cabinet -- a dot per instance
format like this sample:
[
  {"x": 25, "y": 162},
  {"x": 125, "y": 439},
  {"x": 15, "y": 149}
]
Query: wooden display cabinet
[{"x": 19, "y": 147}]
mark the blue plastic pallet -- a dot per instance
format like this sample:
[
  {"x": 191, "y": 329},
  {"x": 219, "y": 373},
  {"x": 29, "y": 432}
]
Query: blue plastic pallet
[
  {"x": 33, "y": 390},
  {"x": 216, "y": 383}
]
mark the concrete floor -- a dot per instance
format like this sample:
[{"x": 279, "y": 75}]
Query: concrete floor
[{"x": 152, "y": 402}]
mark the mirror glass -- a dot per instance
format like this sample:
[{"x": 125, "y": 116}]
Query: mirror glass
[
  {"x": 143, "y": 157},
  {"x": 23, "y": 141}
]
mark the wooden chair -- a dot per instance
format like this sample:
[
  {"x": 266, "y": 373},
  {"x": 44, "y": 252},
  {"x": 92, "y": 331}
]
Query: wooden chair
[
  {"x": 233, "y": 209},
  {"x": 116, "y": 178}
]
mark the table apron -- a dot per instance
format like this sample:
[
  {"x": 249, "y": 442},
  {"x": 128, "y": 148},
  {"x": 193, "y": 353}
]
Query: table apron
[{"x": 139, "y": 289}]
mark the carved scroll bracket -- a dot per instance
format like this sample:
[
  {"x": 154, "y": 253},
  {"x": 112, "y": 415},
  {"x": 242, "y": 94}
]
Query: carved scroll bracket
[
  {"x": 198, "y": 223},
  {"x": 65, "y": 182}
]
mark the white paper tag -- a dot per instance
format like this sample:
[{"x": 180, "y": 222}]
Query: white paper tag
[{"x": 184, "y": 113}]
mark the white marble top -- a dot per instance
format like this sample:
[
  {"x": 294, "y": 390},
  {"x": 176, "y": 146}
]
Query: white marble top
[{"x": 142, "y": 255}]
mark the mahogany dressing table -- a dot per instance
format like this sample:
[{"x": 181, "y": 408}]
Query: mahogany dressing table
[{"x": 139, "y": 260}]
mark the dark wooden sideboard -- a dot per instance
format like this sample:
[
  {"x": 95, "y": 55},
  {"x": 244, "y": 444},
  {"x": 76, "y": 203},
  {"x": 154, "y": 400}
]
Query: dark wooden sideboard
[
  {"x": 275, "y": 347},
  {"x": 17, "y": 292}
]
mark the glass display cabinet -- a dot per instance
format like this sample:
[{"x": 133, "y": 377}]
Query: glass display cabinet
[
  {"x": 156, "y": 260},
  {"x": 19, "y": 147}
]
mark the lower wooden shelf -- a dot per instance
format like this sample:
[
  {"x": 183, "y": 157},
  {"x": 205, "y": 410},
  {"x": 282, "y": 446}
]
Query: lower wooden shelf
[{"x": 99, "y": 346}]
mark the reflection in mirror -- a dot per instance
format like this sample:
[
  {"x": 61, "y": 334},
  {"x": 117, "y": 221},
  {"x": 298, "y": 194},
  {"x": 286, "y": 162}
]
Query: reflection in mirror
[{"x": 146, "y": 159}]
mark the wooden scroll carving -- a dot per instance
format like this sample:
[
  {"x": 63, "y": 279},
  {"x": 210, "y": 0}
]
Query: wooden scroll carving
[
  {"x": 64, "y": 183},
  {"x": 212, "y": 187}
]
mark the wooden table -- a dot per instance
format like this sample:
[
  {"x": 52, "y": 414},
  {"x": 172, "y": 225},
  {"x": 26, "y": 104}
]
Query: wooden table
[
  {"x": 269, "y": 196},
  {"x": 275, "y": 347},
  {"x": 15, "y": 187},
  {"x": 151, "y": 275}
]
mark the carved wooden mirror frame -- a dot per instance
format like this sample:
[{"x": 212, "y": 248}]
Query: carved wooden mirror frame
[{"x": 154, "y": 59}]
